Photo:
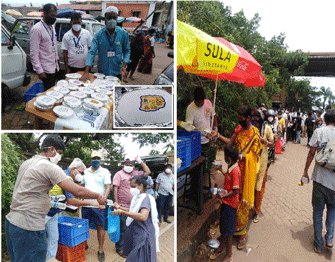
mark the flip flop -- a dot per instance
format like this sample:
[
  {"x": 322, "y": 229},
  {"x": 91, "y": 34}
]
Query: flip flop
[
  {"x": 256, "y": 219},
  {"x": 242, "y": 242},
  {"x": 330, "y": 246}
]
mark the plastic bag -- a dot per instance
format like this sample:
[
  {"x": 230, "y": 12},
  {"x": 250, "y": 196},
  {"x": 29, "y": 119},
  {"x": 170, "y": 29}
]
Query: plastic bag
[{"x": 113, "y": 226}]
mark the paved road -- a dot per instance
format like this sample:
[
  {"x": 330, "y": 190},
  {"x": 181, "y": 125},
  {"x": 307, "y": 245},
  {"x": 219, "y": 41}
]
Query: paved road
[
  {"x": 285, "y": 229},
  {"x": 15, "y": 118}
]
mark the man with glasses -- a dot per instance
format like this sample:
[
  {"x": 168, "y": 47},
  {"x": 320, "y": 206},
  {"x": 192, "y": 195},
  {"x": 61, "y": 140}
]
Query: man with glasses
[
  {"x": 97, "y": 179},
  {"x": 75, "y": 172},
  {"x": 112, "y": 45},
  {"x": 25, "y": 223}
]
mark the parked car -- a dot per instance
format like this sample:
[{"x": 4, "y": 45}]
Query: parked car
[
  {"x": 167, "y": 75},
  {"x": 23, "y": 26},
  {"x": 7, "y": 20},
  {"x": 13, "y": 67}
]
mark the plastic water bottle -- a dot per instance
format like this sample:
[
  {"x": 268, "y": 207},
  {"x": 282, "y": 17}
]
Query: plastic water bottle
[
  {"x": 57, "y": 198},
  {"x": 304, "y": 180},
  {"x": 216, "y": 190},
  {"x": 58, "y": 205}
]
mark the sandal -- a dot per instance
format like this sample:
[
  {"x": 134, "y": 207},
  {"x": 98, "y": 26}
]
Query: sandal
[
  {"x": 330, "y": 246},
  {"x": 120, "y": 252},
  {"x": 242, "y": 242},
  {"x": 256, "y": 219},
  {"x": 316, "y": 250}
]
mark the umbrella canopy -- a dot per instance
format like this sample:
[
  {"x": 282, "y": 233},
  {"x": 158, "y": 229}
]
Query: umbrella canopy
[
  {"x": 35, "y": 14},
  {"x": 87, "y": 16},
  {"x": 216, "y": 58},
  {"x": 13, "y": 12},
  {"x": 133, "y": 19}
]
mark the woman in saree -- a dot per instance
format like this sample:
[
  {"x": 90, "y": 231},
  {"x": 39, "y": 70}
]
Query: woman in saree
[
  {"x": 266, "y": 139},
  {"x": 141, "y": 237},
  {"x": 145, "y": 65},
  {"x": 247, "y": 138}
]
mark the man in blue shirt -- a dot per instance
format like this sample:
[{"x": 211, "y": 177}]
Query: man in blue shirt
[{"x": 112, "y": 45}]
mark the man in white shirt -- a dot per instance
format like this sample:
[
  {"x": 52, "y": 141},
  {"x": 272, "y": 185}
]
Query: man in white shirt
[
  {"x": 75, "y": 45},
  {"x": 199, "y": 114},
  {"x": 323, "y": 184},
  {"x": 97, "y": 179}
]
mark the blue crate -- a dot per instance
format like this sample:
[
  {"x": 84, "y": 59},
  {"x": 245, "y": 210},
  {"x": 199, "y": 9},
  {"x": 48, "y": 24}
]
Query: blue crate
[
  {"x": 33, "y": 91},
  {"x": 184, "y": 152},
  {"x": 72, "y": 235},
  {"x": 195, "y": 137}
]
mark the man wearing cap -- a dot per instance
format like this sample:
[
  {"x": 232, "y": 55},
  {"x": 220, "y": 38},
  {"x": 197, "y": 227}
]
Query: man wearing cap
[
  {"x": 112, "y": 45},
  {"x": 97, "y": 179},
  {"x": 122, "y": 195}
]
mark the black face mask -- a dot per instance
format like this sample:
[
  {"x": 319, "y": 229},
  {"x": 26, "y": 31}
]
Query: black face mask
[
  {"x": 243, "y": 123},
  {"x": 49, "y": 20}
]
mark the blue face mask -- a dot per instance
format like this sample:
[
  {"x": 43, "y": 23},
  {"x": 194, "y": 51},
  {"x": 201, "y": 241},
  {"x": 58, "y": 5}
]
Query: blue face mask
[
  {"x": 111, "y": 24},
  {"x": 95, "y": 163}
]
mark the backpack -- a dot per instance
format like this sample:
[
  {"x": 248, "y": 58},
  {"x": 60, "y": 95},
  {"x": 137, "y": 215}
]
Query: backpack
[{"x": 326, "y": 156}]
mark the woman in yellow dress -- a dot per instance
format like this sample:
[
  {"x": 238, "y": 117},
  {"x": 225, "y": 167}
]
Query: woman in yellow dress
[{"x": 247, "y": 137}]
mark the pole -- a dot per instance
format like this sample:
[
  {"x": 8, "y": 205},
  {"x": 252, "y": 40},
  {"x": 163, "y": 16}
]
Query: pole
[{"x": 216, "y": 86}]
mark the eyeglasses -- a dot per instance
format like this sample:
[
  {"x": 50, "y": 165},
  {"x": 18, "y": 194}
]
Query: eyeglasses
[
  {"x": 96, "y": 158},
  {"x": 81, "y": 172}
]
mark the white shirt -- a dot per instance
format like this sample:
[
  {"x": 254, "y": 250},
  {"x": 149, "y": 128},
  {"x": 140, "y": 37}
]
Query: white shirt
[
  {"x": 152, "y": 41},
  {"x": 96, "y": 181},
  {"x": 77, "y": 47},
  {"x": 165, "y": 184},
  {"x": 321, "y": 174},
  {"x": 200, "y": 118}
]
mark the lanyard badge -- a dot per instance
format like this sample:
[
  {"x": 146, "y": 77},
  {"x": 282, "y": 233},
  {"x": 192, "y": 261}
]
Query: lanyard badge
[{"x": 50, "y": 34}]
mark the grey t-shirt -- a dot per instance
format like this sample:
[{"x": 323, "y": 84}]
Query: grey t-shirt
[
  {"x": 165, "y": 184},
  {"x": 31, "y": 201},
  {"x": 321, "y": 174}
]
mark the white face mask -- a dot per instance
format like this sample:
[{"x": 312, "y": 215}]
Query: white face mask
[
  {"x": 55, "y": 159},
  {"x": 270, "y": 118},
  {"x": 78, "y": 177},
  {"x": 168, "y": 171},
  {"x": 128, "y": 169},
  {"x": 134, "y": 191},
  {"x": 76, "y": 27}
]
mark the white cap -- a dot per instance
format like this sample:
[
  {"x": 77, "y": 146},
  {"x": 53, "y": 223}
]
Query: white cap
[
  {"x": 95, "y": 154},
  {"x": 112, "y": 9}
]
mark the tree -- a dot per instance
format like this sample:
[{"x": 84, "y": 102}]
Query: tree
[{"x": 326, "y": 93}]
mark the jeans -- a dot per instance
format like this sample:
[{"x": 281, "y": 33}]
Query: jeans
[
  {"x": 51, "y": 227},
  {"x": 298, "y": 136},
  {"x": 166, "y": 203},
  {"x": 24, "y": 245},
  {"x": 323, "y": 196},
  {"x": 123, "y": 228}
]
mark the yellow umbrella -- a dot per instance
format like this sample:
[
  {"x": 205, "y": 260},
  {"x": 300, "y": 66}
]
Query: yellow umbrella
[
  {"x": 13, "y": 12},
  {"x": 199, "y": 53}
]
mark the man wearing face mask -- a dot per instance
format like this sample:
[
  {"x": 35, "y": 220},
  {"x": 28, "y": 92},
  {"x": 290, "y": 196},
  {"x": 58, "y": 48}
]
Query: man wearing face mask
[
  {"x": 75, "y": 45},
  {"x": 165, "y": 188},
  {"x": 97, "y": 179},
  {"x": 25, "y": 224},
  {"x": 112, "y": 45},
  {"x": 123, "y": 195},
  {"x": 51, "y": 220},
  {"x": 43, "y": 47},
  {"x": 199, "y": 113}
]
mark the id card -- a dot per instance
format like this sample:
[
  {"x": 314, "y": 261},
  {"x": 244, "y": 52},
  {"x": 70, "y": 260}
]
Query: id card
[
  {"x": 110, "y": 53},
  {"x": 53, "y": 48}
]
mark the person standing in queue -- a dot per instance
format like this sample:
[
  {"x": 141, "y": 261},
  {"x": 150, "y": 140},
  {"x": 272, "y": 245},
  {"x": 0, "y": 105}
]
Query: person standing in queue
[
  {"x": 97, "y": 179},
  {"x": 25, "y": 223},
  {"x": 75, "y": 45},
  {"x": 122, "y": 194},
  {"x": 43, "y": 47},
  {"x": 112, "y": 45}
]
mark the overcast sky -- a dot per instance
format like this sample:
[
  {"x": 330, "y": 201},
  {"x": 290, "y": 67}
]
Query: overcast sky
[{"x": 307, "y": 25}]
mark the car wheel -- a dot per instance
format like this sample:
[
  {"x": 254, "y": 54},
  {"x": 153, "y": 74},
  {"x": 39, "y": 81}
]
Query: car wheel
[{"x": 5, "y": 94}]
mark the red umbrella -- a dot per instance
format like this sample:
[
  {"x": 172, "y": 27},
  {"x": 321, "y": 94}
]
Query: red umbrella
[{"x": 246, "y": 71}]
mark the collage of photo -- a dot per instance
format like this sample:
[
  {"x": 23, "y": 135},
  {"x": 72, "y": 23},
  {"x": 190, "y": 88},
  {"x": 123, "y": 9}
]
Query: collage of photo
[{"x": 167, "y": 130}]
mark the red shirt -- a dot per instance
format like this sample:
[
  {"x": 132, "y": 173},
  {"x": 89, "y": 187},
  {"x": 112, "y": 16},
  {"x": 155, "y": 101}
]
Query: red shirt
[{"x": 232, "y": 181}]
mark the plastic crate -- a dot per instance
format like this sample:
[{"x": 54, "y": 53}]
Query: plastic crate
[
  {"x": 210, "y": 156},
  {"x": 33, "y": 91},
  {"x": 72, "y": 235},
  {"x": 71, "y": 254},
  {"x": 195, "y": 137},
  {"x": 184, "y": 152}
]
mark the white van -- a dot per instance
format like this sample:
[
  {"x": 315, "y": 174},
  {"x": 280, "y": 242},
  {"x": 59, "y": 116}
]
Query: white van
[
  {"x": 13, "y": 68},
  {"x": 23, "y": 26}
]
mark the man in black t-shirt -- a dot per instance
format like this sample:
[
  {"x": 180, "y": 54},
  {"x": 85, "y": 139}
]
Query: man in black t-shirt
[{"x": 310, "y": 126}]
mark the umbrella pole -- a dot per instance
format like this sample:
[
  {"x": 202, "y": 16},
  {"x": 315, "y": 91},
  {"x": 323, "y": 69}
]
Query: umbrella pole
[{"x": 216, "y": 87}]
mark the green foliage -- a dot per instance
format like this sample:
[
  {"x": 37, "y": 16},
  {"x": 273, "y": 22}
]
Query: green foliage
[
  {"x": 278, "y": 64},
  {"x": 11, "y": 159},
  {"x": 146, "y": 139}
]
